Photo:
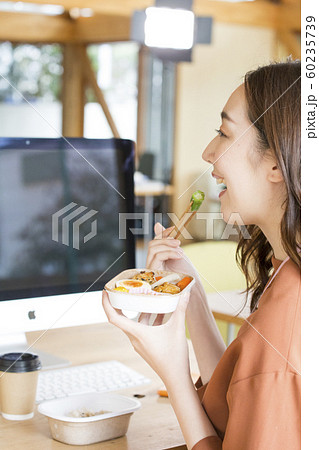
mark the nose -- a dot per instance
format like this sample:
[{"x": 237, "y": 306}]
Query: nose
[{"x": 209, "y": 154}]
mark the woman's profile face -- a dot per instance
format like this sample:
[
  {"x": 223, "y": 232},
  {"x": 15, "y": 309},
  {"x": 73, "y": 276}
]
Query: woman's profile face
[{"x": 234, "y": 153}]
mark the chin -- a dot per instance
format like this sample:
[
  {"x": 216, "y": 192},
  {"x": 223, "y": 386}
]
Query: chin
[{"x": 235, "y": 217}]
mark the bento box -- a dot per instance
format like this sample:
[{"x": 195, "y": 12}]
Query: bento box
[
  {"x": 132, "y": 290},
  {"x": 89, "y": 418}
]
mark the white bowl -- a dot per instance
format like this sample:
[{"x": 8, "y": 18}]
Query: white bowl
[
  {"x": 157, "y": 304},
  {"x": 89, "y": 430}
]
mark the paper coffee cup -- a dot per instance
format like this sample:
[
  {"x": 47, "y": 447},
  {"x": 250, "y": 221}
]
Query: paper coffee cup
[{"x": 18, "y": 385}]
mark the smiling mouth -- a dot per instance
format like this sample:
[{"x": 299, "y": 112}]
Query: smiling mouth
[{"x": 220, "y": 183}]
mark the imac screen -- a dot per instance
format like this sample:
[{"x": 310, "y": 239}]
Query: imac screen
[{"x": 60, "y": 205}]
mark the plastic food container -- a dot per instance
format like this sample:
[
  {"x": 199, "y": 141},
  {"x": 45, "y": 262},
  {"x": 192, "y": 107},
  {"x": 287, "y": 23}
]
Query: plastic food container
[
  {"x": 89, "y": 430},
  {"x": 149, "y": 303}
]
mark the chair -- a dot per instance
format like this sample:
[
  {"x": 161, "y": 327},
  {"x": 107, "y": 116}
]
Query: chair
[{"x": 216, "y": 264}]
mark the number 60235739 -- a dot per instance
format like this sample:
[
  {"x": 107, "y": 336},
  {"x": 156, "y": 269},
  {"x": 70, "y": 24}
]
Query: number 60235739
[{"x": 310, "y": 47}]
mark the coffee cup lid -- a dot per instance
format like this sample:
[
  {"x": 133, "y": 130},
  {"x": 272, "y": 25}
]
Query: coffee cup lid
[{"x": 19, "y": 362}]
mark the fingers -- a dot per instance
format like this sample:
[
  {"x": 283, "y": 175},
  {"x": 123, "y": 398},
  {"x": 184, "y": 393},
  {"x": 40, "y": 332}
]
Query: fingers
[
  {"x": 161, "y": 257},
  {"x": 159, "y": 320},
  {"x": 159, "y": 253},
  {"x": 168, "y": 246},
  {"x": 180, "y": 312},
  {"x": 161, "y": 232},
  {"x": 161, "y": 243},
  {"x": 158, "y": 228},
  {"x": 116, "y": 318},
  {"x": 144, "y": 318}
]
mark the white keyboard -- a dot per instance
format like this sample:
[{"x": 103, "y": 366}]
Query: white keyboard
[{"x": 96, "y": 377}]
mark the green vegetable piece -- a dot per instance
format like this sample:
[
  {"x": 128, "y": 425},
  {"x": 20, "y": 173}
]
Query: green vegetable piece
[{"x": 197, "y": 198}]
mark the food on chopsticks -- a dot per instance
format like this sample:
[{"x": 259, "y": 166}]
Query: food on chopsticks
[
  {"x": 195, "y": 202},
  {"x": 197, "y": 199},
  {"x": 149, "y": 283}
]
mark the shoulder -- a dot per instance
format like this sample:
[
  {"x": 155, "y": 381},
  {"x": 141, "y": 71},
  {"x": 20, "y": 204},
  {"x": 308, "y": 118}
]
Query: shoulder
[{"x": 271, "y": 335}]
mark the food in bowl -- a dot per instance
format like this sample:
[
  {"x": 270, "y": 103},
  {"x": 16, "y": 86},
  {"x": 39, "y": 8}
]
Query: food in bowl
[
  {"x": 158, "y": 291},
  {"x": 110, "y": 418},
  {"x": 148, "y": 282},
  {"x": 149, "y": 277},
  {"x": 84, "y": 412},
  {"x": 132, "y": 283},
  {"x": 168, "y": 288}
]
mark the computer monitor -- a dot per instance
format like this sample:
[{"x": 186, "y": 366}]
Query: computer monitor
[{"x": 60, "y": 204}]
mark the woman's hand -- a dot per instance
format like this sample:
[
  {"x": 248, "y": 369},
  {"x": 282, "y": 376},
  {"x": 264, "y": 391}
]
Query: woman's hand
[
  {"x": 164, "y": 347},
  {"x": 165, "y": 253},
  {"x": 162, "y": 248}
]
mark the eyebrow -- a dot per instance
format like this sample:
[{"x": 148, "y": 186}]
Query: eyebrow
[{"x": 225, "y": 116}]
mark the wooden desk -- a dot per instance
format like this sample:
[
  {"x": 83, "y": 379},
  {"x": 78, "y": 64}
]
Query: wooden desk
[{"x": 153, "y": 427}]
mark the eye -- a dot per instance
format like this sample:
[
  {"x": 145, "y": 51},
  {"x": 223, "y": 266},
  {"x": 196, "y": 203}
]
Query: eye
[{"x": 221, "y": 134}]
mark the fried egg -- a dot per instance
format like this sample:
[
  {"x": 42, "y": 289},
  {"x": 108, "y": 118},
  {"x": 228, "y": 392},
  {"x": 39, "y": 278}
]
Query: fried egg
[{"x": 130, "y": 284}]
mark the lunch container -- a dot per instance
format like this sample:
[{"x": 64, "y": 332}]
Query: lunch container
[
  {"x": 89, "y": 430},
  {"x": 160, "y": 303}
]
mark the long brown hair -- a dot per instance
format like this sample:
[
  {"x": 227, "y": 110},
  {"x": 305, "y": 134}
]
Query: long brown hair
[{"x": 273, "y": 100}]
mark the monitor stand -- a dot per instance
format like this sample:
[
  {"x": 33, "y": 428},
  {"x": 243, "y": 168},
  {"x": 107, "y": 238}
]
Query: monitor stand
[{"x": 17, "y": 342}]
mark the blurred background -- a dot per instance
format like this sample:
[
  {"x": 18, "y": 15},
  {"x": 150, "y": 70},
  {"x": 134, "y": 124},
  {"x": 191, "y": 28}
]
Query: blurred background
[
  {"x": 76, "y": 68},
  {"x": 71, "y": 67}
]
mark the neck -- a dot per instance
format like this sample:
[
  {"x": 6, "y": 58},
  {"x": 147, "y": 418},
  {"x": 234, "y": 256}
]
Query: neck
[{"x": 272, "y": 233}]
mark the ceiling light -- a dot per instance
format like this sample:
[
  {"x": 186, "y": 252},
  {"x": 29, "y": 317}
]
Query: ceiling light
[
  {"x": 170, "y": 29},
  {"x": 177, "y": 23}
]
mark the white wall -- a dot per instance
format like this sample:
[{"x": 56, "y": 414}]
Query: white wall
[
  {"x": 44, "y": 119},
  {"x": 203, "y": 88},
  {"x": 40, "y": 119}
]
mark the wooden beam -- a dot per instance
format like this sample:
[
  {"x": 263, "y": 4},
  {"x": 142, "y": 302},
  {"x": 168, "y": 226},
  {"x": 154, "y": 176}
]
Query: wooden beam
[
  {"x": 261, "y": 13},
  {"x": 73, "y": 92},
  {"x": 141, "y": 103},
  {"x": 102, "y": 28},
  {"x": 91, "y": 80},
  {"x": 35, "y": 28}
]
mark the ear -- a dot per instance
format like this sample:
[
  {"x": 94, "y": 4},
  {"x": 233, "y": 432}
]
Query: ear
[{"x": 274, "y": 174}]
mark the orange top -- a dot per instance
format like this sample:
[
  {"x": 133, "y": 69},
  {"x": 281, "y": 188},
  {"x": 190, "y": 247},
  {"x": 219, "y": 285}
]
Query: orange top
[{"x": 253, "y": 396}]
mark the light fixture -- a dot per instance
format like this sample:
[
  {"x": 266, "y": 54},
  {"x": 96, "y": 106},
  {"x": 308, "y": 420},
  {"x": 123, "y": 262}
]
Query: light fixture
[
  {"x": 35, "y": 8},
  {"x": 177, "y": 23},
  {"x": 170, "y": 29}
]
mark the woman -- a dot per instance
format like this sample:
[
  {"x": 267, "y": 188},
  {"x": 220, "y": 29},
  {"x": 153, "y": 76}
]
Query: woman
[{"x": 248, "y": 395}]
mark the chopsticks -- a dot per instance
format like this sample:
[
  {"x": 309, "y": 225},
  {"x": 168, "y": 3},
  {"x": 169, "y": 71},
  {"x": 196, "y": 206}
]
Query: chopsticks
[{"x": 187, "y": 216}]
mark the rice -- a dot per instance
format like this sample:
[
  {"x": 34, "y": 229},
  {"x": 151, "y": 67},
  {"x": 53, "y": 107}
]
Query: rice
[{"x": 84, "y": 412}]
